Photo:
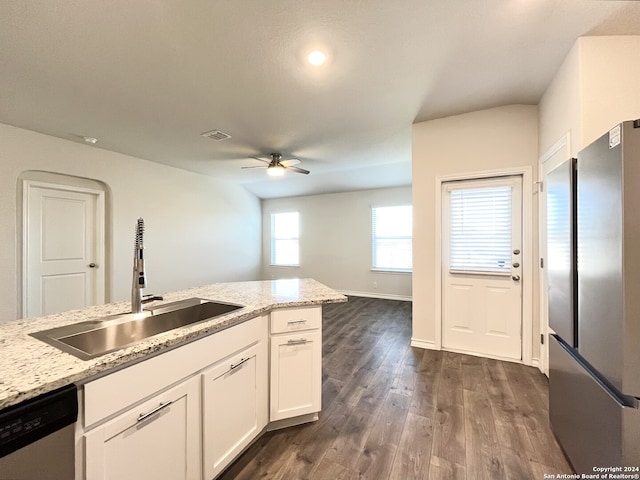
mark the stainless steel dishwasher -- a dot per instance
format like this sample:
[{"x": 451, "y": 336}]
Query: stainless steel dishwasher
[{"x": 37, "y": 437}]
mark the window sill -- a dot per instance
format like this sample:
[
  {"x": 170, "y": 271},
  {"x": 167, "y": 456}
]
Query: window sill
[
  {"x": 286, "y": 266},
  {"x": 392, "y": 270}
]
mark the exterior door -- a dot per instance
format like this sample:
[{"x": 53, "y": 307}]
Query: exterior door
[
  {"x": 482, "y": 267},
  {"x": 63, "y": 230}
]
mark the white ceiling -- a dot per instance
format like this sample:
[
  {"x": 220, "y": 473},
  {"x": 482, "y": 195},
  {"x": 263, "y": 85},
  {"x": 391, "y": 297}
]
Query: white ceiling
[{"x": 147, "y": 77}]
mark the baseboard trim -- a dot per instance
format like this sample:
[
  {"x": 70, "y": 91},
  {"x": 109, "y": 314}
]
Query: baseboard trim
[
  {"x": 485, "y": 355},
  {"x": 292, "y": 422},
  {"x": 424, "y": 344},
  {"x": 430, "y": 345},
  {"x": 383, "y": 296}
]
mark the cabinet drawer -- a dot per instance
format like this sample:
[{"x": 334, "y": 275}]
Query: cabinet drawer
[{"x": 296, "y": 319}]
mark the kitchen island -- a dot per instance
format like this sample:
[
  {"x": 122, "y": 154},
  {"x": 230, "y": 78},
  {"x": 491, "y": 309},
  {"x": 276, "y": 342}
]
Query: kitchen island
[
  {"x": 182, "y": 404},
  {"x": 30, "y": 367}
]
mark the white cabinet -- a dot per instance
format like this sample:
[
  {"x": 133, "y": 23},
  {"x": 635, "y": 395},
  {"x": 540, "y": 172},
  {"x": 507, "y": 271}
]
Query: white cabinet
[
  {"x": 234, "y": 406},
  {"x": 296, "y": 362},
  {"x": 147, "y": 421},
  {"x": 189, "y": 412},
  {"x": 157, "y": 439}
]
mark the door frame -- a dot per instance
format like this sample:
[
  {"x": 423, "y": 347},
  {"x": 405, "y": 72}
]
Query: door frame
[
  {"x": 527, "y": 248},
  {"x": 27, "y": 185},
  {"x": 563, "y": 143}
]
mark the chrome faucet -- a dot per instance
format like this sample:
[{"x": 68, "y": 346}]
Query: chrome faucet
[{"x": 139, "y": 277}]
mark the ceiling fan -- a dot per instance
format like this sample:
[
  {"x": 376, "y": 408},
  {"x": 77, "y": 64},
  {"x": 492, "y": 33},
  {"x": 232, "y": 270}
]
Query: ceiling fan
[{"x": 276, "y": 166}]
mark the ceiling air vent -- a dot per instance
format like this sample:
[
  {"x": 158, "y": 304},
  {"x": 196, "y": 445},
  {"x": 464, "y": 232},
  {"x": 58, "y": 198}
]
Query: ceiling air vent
[{"x": 216, "y": 135}]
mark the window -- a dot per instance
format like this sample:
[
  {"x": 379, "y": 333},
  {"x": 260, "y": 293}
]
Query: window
[
  {"x": 392, "y": 238},
  {"x": 480, "y": 230},
  {"x": 285, "y": 239}
]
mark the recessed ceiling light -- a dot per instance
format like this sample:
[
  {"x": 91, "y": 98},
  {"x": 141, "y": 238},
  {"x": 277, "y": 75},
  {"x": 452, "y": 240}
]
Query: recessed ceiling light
[
  {"x": 91, "y": 140},
  {"x": 317, "y": 58}
]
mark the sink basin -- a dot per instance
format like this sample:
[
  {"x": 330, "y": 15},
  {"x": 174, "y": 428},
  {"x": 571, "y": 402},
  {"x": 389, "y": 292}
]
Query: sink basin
[{"x": 87, "y": 340}]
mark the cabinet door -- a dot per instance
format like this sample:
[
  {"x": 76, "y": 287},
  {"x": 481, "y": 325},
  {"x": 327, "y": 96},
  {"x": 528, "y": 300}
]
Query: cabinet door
[
  {"x": 158, "y": 439},
  {"x": 296, "y": 374},
  {"x": 234, "y": 396}
]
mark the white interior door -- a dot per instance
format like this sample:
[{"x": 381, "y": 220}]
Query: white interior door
[
  {"x": 63, "y": 248},
  {"x": 482, "y": 267},
  {"x": 557, "y": 154}
]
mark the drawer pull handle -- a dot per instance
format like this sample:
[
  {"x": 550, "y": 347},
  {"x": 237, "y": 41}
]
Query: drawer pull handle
[
  {"x": 296, "y": 322},
  {"x": 143, "y": 416},
  {"x": 300, "y": 341},
  {"x": 241, "y": 362}
]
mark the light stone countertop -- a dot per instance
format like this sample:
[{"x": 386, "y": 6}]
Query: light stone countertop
[{"x": 30, "y": 367}]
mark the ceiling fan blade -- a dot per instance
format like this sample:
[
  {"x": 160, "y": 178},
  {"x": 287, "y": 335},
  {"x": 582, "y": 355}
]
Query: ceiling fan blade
[
  {"x": 291, "y": 161},
  {"x": 256, "y": 166},
  {"x": 298, "y": 170},
  {"x": 265, "y": 160}
]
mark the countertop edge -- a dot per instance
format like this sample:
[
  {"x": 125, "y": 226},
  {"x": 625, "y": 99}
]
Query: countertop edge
[{"x": 156, "y": 346}]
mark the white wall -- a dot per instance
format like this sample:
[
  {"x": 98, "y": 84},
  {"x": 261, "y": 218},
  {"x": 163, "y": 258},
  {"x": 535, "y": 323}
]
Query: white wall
[
  {"x": 498, "y": 138},
  {"x": 597, "y": 86},
  {"x": 335, "y": 241},
  {"x": 560, "y": 107},
  {"x": 198, "y": 230},
  {"x": 610, "y": 83}
]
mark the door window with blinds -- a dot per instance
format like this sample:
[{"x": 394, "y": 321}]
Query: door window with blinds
[
  {"x": 392, "y": 229},
  {"x": 479, "y": 218}
]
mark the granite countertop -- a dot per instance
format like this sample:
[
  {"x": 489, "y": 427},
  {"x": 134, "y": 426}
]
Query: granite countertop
[{"x": 30, "y": 367}]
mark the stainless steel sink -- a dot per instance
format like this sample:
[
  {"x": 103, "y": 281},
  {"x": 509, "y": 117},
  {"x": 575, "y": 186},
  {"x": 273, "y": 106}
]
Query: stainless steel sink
[{"x": 87, "y": 340}]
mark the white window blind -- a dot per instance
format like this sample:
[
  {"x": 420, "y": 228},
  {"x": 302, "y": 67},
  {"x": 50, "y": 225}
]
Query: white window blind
[
  {"x": 480, "y": 230},
  {"x": 392, "y": 229},
  {"x": 285, "y": 234}
]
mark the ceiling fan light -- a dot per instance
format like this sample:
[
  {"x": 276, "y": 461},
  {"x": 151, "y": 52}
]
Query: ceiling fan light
[{"x": 275, "y": 170}]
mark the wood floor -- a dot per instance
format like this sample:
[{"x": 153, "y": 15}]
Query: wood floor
[{"x": 391, "y": 411}]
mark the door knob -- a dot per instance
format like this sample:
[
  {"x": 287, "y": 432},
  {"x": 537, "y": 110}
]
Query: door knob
[
  {"x": 515, "y": 277},
  {"x": 516, "y": 252},
  {"x": 92, "y": 265}
]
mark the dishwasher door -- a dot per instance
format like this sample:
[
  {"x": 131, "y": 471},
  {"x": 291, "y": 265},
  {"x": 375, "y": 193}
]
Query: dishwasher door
[
  {"x": 37, "y": 437},
  {"x": 50, "y": 458}
]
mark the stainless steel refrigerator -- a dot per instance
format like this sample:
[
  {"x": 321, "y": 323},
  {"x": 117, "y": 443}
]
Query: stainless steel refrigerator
[{"x": 593, "y": 261}]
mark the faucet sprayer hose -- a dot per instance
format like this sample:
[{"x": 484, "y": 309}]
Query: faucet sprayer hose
[
  {"x": 139, "y": 277},
  {"x": 139, "y": 240}
]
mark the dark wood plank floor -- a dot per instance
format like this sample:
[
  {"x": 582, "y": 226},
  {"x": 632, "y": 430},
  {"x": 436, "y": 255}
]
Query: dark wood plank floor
[{"x": 391, "y": 411}]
